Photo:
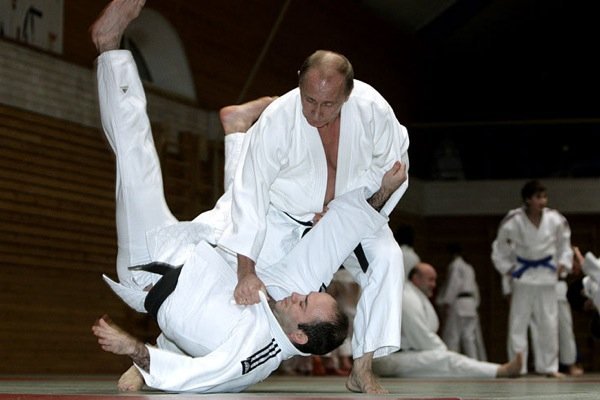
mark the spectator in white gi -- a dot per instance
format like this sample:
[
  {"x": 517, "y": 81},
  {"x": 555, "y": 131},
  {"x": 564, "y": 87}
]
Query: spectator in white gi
[
  {"x": 423, "y": 353},
  {"x": 228, "y": 356},
  {"x": 532, "y": 245},
  {"x": 591, "y": 288},
  {"x": 567, "y": 346},
  {"x": 459, "y": 300},
  {"x": 330, "y": 135},
  {"x": 405, "y": 236}
]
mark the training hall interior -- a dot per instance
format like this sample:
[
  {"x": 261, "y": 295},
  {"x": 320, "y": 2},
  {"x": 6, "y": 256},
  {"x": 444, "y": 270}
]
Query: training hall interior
[{"x": 493, "y": 93}]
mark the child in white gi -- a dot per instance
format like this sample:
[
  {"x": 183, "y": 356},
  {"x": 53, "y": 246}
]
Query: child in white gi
[{"x": 532, "y": 245}]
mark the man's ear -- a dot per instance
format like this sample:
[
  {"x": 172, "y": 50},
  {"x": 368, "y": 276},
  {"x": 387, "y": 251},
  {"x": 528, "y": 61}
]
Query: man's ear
[{"x": 298, "y": 336}]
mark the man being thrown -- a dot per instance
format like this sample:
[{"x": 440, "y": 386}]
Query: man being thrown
[{"x": 227, "y": 356}]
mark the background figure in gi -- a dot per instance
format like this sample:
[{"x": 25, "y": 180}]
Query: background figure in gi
[
  {"x": 405, "y": 236},
  {"x": 459, "y": 300},
  {"x": 424, "y": 354},
  {"x": 567, "y": 346},
  {"x": 532, "y": 245},
  {"x": 591, "y": 289}
]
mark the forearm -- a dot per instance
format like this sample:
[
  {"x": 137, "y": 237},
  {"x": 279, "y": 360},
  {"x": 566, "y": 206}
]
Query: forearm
[
  {"x": 378, "y": 199},
  {"x": 246, "y": 266},
  {"x": 390, "y": 182},
  {"x": 141, "y": 356}
]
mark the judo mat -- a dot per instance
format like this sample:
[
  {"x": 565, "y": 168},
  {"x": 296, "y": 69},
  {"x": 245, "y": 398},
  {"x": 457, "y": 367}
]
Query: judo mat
[{"x": 302, "y": 387}]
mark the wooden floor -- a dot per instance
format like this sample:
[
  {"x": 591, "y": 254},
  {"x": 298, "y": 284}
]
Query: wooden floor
[{"x": 298, "y": 388}]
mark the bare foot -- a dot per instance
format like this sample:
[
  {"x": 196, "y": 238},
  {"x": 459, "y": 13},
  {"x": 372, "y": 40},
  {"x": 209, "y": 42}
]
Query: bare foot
[
  {"x": 131, "y": 380},
  {"x": 575, "y": 370},
  {"x": 557, "y": 375},
  {"x": 362, "y": 379},
  {"x": 108, "y": 28},
  {"x": 239, "y": 118},
  {"x": 512, "y": 368}
]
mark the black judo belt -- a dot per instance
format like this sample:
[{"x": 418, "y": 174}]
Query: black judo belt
[
  {"x": 162, "y": 288},
  {"x": 358, "y": 251}
]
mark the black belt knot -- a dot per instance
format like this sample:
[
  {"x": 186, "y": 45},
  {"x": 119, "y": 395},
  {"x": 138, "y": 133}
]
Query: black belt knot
[{"x": 162, "y": 288}]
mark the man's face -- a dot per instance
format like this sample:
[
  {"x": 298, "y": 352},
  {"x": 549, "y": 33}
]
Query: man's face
[
  {"x": 538, "y": 201},
  {"x": 298, "y": 309},
  {"x": 322, "y": 98},
  {"x": 425, "y": 280}
]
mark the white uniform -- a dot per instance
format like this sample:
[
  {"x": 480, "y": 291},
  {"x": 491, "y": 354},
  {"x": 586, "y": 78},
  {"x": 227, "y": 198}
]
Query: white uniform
[
  {"x": 460, "y": 295},
  {"x": 284, "y": 175},
  {"x": 410, "y": 258},
  {"x": 567, "y": 348},
  {"x": 423, "y": 353},
  {"x": 215, "y": 345},
  {"x": 531, "y": 255}
]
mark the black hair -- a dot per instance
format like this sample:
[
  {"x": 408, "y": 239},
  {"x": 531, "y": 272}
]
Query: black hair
[
  {"x": 324, "y": 336},
  {"x": 531, "y": 188}
]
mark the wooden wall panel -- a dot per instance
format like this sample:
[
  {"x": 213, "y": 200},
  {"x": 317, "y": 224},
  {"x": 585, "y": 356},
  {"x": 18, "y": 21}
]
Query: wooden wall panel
[{"x": 57, "y": 236}]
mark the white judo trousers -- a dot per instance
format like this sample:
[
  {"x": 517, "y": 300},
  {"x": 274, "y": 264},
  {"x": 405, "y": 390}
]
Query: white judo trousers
[
  {"x": 534, "y": 302},
  {"x": 423, "y": 353},
  {"x": 567, "y": 348}
]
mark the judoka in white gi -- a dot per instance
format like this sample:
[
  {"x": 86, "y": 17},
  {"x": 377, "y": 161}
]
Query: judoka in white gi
[
  {"x": 330, "y": 135},
  {"x": 232, "y": 346},
  {"x": 423, "y": 353},
  {"x": 405, "y": 236},
  {"x": 591, "y": 285},
  {"x": 533, "y": 243},
  {"x": 567, "y": 346},
  {"x": 459, "y": 298}
]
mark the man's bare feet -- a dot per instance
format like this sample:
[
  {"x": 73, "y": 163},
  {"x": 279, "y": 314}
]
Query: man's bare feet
[
  {"x": 362, "y": 379},
  {"x": 131, "y": 380},
  {"x": 239, "y": 118},
  {"x": 575, "y": 370},
  {"x": 556, "y": 375},
  {"x": 108, "y": 28},
  {"x": 512, "y": 368}
]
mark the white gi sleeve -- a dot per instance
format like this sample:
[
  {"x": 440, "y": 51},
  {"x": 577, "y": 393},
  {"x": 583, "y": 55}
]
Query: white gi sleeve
[
  {"x": 228, "y": 368},
  {"x": 264, "y": 155},
  {"x": 503, "y": 255},
  {"x": 390, "y": 145},
  {"x": 564, "y": 251}
]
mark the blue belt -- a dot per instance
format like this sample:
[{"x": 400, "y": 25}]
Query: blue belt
[{"x": 526, "y": 264}]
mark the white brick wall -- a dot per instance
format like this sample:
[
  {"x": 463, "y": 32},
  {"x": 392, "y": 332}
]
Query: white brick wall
[{"x": 44, "y": 84}]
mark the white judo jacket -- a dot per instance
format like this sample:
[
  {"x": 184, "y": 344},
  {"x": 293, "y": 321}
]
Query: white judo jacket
[
  {"x": 461, "y": 281},
  {"x": 242, "y": 346},
  {"x": 518, "y": 239},
  {"x": 285, "y": 169},
  {"x": 419, "y": 321}
]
